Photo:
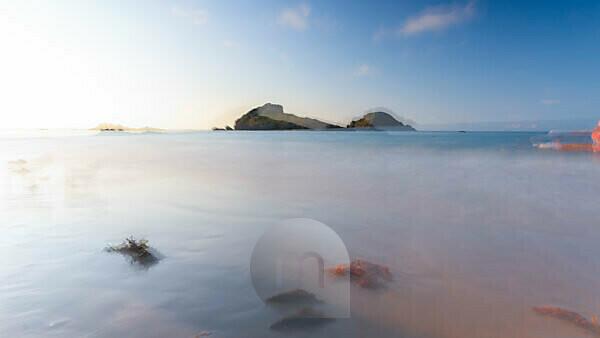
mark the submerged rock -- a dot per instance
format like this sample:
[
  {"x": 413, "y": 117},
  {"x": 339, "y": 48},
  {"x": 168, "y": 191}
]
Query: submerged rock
[
  {"x": 380, "y": 120},
  {"x": 305, "y": 319},
  {"x": 365, "y": 274}
]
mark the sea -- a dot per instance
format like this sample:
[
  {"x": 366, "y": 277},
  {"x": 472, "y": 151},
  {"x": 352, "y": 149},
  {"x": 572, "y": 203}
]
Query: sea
[{"x": 475, "y": 228}]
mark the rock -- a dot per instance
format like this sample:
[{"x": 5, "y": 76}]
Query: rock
[
  {"x": 227, "y": 128},
  {"x": 364, "y": 274},
  {"x": 381, "y": 121},
  {"x": 271, "y": 117}
]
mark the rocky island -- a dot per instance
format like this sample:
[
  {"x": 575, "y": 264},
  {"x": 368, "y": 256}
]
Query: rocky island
[
  {"x": 271, "y": 117},
  {"x": 380, "y": 121}
]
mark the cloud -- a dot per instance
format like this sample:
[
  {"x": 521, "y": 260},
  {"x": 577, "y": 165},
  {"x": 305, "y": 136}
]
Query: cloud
[
  {"x": 295, "y": 18},
  {"x": 437, "y": 18},
  {"x": 196, "y": 16},
  {"x": 550, "y": 102},
  {"x": 364, "y": 70}
]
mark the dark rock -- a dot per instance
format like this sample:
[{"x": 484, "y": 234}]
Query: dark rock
[{"x": 364, "y": 273}]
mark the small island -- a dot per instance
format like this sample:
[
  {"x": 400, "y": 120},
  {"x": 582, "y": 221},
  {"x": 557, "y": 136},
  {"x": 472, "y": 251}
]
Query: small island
[
  {"x": 112, "y": 127},
  {"x": 380, "y": 121},
  {"x": 272, "y": 117}
]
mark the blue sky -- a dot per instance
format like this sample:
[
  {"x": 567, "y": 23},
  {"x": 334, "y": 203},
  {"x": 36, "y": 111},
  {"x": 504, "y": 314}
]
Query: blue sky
[{"x": 196, "y": 64}]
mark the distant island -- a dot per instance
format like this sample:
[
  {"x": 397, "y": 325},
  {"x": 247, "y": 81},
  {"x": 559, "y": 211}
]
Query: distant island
[
  {"x": 272, "y": 117},
  {"x": 111, "y": 127},
  {"x": 380, "y": 121}
]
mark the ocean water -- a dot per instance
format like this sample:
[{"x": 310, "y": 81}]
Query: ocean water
[{"x": 476, "y": 228}]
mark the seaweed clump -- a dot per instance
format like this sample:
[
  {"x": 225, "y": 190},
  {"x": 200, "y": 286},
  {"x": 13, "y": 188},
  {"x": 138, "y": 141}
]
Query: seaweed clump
[
  {"x": 137, "y": 251},
  {"x": 365, "y": 274},
  {"x": 590, "y": 325}
]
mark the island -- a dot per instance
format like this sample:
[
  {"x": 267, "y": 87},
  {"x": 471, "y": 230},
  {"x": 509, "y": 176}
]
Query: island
[
  {"x": 112, "y": 127},
  {"x": 379, "y": 121},
  {"x": 272, "y": 117}
]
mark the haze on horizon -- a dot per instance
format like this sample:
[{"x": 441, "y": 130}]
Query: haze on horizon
[{"x": 198, "y": 64}]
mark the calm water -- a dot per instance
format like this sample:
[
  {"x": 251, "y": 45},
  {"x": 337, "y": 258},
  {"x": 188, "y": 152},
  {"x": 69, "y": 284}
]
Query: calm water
[{"x": 475, "y": 227}]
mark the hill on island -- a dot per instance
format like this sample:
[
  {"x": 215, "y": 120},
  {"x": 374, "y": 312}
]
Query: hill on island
[
  {"x": 272, "y": 117},
  {"x": 380, "y": 120}
]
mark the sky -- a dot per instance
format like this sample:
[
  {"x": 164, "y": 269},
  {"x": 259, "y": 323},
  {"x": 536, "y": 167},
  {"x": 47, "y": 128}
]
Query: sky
[{"x": 199, "y": 64}]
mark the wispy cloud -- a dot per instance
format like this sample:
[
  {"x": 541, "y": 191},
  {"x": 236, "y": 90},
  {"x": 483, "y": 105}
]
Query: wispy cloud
[
  {"x": 550, "y": 102},
  {"x": 196, "y": 16},
  {"x": 295, "y": 18},
  {"x": 364, "y": 70},
  {"x": 437, "y": 18}
]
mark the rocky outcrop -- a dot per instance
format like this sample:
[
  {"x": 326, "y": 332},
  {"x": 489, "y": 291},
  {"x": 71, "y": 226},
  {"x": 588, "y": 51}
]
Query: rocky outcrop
[
  {"x": 380, "y": 121},
  {"x": 271, "y": 117},
  {"x": 227, "y": 128}
]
